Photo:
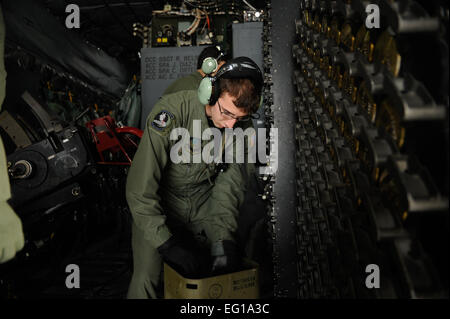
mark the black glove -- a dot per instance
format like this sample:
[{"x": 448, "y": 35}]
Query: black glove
[
  {"x": 179, "y": 257},
  {"x": 226, "y": 257}
]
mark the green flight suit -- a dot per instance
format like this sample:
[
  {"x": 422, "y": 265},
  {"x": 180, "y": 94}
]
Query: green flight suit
[
  {"x": 11, "y": 233},
  {"x": 189, "y": 82},
  {"x": 164, "y": 196}
]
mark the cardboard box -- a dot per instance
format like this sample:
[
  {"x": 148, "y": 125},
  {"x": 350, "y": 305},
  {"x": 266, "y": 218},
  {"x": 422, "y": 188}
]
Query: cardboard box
[{"x": 242, "y": 284}]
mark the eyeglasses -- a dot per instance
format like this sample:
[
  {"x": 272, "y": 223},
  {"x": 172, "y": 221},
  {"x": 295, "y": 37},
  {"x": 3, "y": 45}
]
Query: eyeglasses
[{"x": 237, "y": 118}]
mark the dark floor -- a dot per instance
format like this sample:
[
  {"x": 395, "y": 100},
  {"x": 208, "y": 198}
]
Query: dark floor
[
  {"x": 106, "y": 265},
  {"x": 104, "y": 275}
]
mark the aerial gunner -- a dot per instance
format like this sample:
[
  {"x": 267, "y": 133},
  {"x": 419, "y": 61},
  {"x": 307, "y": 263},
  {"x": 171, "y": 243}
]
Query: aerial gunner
[{"x": 186, "y": 213}]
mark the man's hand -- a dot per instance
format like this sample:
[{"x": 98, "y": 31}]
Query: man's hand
[
  {"x": 226, "y": 257},
  {"x": 179, "y": 257},
  {"x": 11, "y": 234}
]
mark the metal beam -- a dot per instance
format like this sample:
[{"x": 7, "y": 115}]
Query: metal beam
[{"x": 284, "y": 13}]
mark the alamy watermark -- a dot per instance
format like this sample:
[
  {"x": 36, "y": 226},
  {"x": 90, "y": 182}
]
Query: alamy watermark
[
  {"x": 373, "y": 279},
  {"x": 73, "y": 279},
  {"x": 73, "y": 19},
  {"x": 373, "y": 16},
  {"x": 227, "y": 147}
]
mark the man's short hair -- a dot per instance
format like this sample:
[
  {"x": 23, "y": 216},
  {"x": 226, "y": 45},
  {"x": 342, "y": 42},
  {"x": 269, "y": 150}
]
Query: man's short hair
[
  {"x": 243, "y": 93},
  {"x": 207, "y": 52}
]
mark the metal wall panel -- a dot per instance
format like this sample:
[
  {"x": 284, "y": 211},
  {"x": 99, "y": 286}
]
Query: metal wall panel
[
  {"x": 160, "y": 67},
  {"x": 247, "y": 41}
]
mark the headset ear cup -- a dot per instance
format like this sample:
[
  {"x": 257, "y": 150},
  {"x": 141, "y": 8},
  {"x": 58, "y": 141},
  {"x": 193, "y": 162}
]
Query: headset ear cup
[
  {"x": 204, "y": 90},
  {"x": 209, "y": 65}
]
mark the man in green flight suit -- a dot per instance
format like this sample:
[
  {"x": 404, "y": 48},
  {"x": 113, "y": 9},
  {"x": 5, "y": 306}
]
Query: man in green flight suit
[
  {"x": 192, "y": 81},
  {"x": 168, "y": 199},
  {"x": 11, "y": 234}
]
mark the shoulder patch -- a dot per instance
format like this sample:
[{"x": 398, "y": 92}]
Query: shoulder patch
[{"x": 163, "y": 121}]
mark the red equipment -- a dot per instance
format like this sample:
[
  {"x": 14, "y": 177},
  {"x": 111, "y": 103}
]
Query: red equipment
[{"x": 118, "y": 141}]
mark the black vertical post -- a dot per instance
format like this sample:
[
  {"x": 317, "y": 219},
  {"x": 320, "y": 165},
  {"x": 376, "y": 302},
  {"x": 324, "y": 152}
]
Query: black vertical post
[{"x": 284, "y": 13}]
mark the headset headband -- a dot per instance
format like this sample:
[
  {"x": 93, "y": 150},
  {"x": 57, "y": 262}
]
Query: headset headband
[
  {"x": 238, "y": 68},
  {"x": 241, "y": 67}
]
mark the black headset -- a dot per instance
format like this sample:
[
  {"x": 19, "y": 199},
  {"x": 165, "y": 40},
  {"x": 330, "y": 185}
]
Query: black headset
[{"x": 238, "y": 68}]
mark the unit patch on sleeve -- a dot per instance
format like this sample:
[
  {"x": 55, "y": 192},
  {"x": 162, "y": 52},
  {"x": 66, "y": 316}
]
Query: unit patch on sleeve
[{"x": 163, "y": 121}]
